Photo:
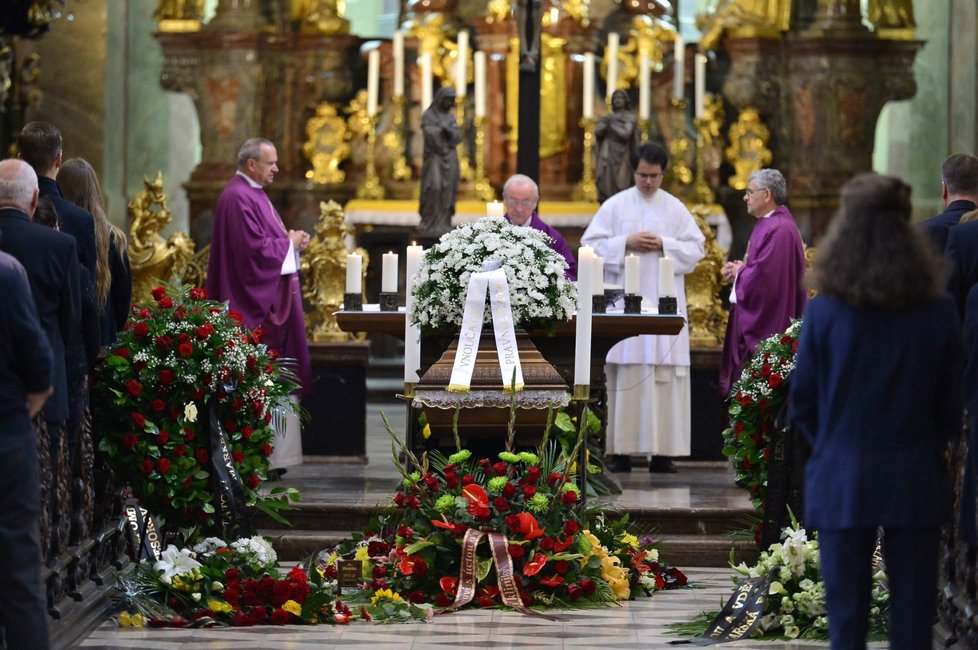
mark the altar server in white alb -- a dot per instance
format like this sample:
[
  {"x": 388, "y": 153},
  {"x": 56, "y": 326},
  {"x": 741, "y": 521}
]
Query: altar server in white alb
[{"x": 648, "y": 376}]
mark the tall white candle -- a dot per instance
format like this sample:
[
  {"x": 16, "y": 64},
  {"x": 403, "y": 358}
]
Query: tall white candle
[
  {"x": 412, "y": 333},
  {"x": 388, "y": 278},
  {"x": 495, "y": 209},
  {"x": 461, "y": 63},
  {"x": 479, "y": 63},
  {"x": 354, "y": 271},
  {"x": 373, "y": 81},
  {"x": 612, "y": 63},
  {"x": 667, "y": 278},
  {"x": 398, "y": 63},
  {"x": 426, "y": 82},
  {"x": 644, "y": 88},
  {"x": 587, "y": 111},
  {"x": 597, "y": 274},
  {"x": 632, "y": 275},
  {"x": 582, "y": 339},
  {"x": 679, "y": 69},
  {"x": 700, "y": 87}
]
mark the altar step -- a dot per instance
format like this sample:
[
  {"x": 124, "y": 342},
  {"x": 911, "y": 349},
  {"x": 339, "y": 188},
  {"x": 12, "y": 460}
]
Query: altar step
[{"x": 689, "y": 537}]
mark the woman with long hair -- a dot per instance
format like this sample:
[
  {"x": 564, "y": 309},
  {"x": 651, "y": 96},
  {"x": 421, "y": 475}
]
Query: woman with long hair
[
  {"x": 113, "y": 279},
  {"x": 877, "y": 391}
]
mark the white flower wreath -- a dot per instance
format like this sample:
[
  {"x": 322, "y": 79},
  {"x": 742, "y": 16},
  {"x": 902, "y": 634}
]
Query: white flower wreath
[{"x": 540, "y": 292}]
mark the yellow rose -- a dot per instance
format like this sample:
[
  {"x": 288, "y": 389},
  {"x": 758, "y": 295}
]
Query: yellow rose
[
  {"x": 219, "y": 606},
  {"x": 292, "y": 607}
]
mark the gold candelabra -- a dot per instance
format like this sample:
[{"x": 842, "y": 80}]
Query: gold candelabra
[
  {"x": 702, "y": 192},
  {"x": 464, "y": 168},
  {"x": 482, "y": 189},
  {"x": 679, "y": 144},
  {"x": 394, "y": 141},
  {"x": 588, "y": 189},
  {"x": 371, "y": 188},
  {"x": 644, "y": 124}
]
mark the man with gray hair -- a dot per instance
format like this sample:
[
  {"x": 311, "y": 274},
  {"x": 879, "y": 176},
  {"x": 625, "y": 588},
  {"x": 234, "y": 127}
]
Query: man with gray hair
[
  {"x": 520, "y": 196},
  {"x": 768, "y": 286}
]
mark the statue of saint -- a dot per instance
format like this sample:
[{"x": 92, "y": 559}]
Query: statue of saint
[
  {"x": 743, "y": 18},
  {"x": 439, "y": 166},
  {"x": 616, "y": 136}
]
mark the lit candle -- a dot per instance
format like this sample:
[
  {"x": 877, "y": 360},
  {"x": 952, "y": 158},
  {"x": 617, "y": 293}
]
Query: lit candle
[
  {"x": 667, "y": 279},
  {"x": 479, "y": 59},
  {"x": 460, "y": 63},
  {"x": 412, "y": 333},
  {"x": 597, "y": 270},
  {"x": 612, "y": 63},
  {"x": 700, "y": 87},
  {"x": 354, "y": 271},
  {"x": 373, "y": 81},
  {"x": 644, "y": 90},
  {"x": 679, "y": 68},
  {"x": 587, "y": 111},
  {"x": 398, "y": 64},
  {"x": 426, "y": 82},
  {"x": 495, "y": 209},
  {"x": 632, "y": 275},
  {"x": 582, "y": 339},
  {"x": 388, "y": 283}
]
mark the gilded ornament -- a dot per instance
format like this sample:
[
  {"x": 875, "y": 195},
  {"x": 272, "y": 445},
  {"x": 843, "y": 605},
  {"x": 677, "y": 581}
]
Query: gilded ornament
[
  {"x": 326, "y": 146},
  {"x": 553, "y": 96},
  {"x": 679, "y": 144},
  {"x": 323, "y": 268},
  {"x": 707, "y": 317},
  {"x": 179, "y": 15},
  {"x": 319, "y": 17},
  {"x": 498, "y": 11},
  {"x": 153, "y": 259},
  {"x": 748, "y": 151},
  {"x": 743, "y": 19},
  {"x": 893, "y": 18}
]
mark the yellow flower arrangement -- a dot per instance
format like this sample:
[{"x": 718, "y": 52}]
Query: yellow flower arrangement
[
  {"x": 219, "y": 606},
  {"x": 611, "y": 570},
  {"x": 131, "y": 620},
  {"x": 292, "y": 607},
  {"x": 386, "y": 594}
]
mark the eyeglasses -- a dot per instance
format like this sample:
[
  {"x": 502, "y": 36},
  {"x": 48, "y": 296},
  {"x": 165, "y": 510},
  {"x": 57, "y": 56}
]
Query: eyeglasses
[
  {"x": 749, "y": 191},
  {"x": 525, "y": 203}
]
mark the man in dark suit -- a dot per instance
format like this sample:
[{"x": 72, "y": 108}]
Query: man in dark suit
[
  {"x": 49, "y": 258},
  {"x": 25, "y": 384},
  {"x": 959, "y": 190}
]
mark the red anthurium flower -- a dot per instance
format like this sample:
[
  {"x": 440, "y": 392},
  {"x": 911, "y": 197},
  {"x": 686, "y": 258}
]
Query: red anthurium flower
[
  {"x": 551, "y": 581},
  {"x": 448, "y": 584},
  {"x": 561, "y": 543},
  {"x": 437, "y": 523},
  {"x": 534, "y": 566},
  {"x": 529, "y": 526}
]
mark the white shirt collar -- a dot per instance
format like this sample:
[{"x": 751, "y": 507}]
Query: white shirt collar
[{"x": 249, "y": 179}]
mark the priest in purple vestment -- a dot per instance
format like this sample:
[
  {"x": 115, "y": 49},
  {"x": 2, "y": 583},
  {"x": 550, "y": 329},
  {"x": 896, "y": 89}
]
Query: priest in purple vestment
[
  {"x": 768, "y": 286},
  {"x": 520, "y": 196},
  {"x": 254, "y": 263}
]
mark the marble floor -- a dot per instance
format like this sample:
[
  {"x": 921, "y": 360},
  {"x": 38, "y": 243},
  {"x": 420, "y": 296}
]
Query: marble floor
[{"x": 637, "y": 624}]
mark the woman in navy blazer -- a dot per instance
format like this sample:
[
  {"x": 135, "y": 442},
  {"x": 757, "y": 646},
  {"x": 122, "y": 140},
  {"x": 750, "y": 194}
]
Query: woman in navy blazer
[{"x": 877, "y": 393}]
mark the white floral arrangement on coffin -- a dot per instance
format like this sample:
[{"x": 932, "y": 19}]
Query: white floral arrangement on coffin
[{"x": 541, "y": 294}]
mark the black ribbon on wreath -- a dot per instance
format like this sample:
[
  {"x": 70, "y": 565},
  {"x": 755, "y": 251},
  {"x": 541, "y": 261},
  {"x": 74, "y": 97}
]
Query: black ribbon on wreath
[
  {"x": 232, "y": 509},
  {"x": 740, "y": 614},
  {"x": 785, "y": 478}
]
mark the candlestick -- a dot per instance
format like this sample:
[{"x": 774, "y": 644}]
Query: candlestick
[
  {"x": 461, "y": 83},
  {"x": 482, "y": 189},
  {"x": 667, "y": 279},
  {"x": 495, "y": 209},
  {"x": 371, "y": 187},
  {"x": 700, "y": 87},
  {"x": 398, "y": 63},
  {"x": 679, "y": 69},
  {"x": 587, "y": 189},
  {"x": 582, "y": 339},
  {"x": 632, "y": 274},
  {"x": 479, "y": 64},
  {"x": 426, "y": 82},
  {"x": 373, "y": 81},
  {"x": 394, "y": 141},
  {"x": 412, "y": 333},
  {"x": 612, "y": 77},
  {"x": 388, "y": 282},
  {"x": 354, "y": 271},
  {"x": 587, "y": 110},
  {"x": 597, "y": 274},
  {"x": 644, "y": 89}
]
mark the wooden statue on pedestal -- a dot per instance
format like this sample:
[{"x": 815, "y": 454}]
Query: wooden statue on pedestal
[{"x": 440, "y": 168}]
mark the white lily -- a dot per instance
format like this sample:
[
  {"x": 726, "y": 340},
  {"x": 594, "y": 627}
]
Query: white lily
[{"x": 176, "y": 562}]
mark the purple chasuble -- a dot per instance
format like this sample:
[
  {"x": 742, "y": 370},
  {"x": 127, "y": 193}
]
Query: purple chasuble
[
  {"x": 558, "y": 243},
  {"x": 770, "y": 292},
  {"x": 248, "y": 246}
]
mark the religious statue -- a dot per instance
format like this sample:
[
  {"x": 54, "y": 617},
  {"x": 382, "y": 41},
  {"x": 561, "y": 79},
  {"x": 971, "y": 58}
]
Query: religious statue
[
  {"x": 439, "y": 167},
  {"x": 892, "y": 17},
  {"x": 319, "y": 17},
  {"x": 527, "y": 14},
  {"x": 323, "y": 273},
  {"x": 179, "y": 10},
  {"x": 743, "y": 18},
  {"x": 616, "y": 135},
  {"x": 153, "y": 259}
]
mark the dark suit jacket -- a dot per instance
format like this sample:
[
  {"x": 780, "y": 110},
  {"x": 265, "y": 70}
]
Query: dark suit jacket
[
  {"x": 937, "y": 227},
  {"x": 75, "y": 221},
  {"x": 877, "y": 393},
  {"x": 50, "y": 260},
  {"x": 961, "y": 255},
  {"x": 117, "y": 307}
]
